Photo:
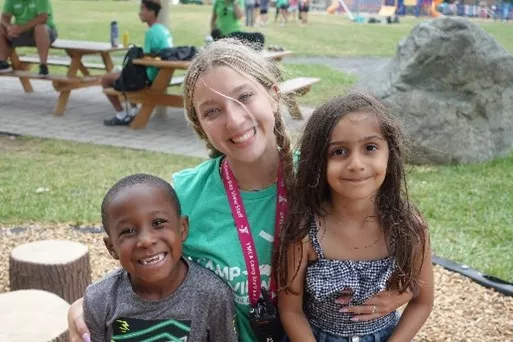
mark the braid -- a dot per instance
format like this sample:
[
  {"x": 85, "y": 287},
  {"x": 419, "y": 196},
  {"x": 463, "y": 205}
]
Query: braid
[{"x": 283, "y": 142}]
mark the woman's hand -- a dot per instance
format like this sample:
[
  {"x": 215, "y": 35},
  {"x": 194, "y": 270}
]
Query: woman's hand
[
  {"x": 78, "y": 331},
  {"x": 379, "y": 305}
]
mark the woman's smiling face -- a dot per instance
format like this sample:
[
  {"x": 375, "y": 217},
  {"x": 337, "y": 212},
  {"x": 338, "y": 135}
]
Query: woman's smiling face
[{"x": 236, "y": 113}]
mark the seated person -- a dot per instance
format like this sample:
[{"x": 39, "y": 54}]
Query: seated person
[
  {"x": 225, "y": 22},
  {"x": 156, "y": 38},
  {"x": 33, "y": 26},
  {"x": 157, "y": 292}
]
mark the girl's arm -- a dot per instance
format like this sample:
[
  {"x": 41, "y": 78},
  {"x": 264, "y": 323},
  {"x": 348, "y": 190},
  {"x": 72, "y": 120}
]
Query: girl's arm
[
  {"x": 213, "y": 20},
  {"x": 418, "y": 309},
  {"x": 290, "y": 305},
  {"x": 237, "y": 9}
]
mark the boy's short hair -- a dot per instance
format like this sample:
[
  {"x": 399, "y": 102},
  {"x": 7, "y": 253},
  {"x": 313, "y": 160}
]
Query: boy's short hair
[
  {"x": 133, "y": 180},
  {"x": 153, "y": 5}
]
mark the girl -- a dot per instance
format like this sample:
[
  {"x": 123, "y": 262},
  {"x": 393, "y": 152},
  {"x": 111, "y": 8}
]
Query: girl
[
  {"x": 232, "y": 100},
  {"x": 351, "y": 231}
]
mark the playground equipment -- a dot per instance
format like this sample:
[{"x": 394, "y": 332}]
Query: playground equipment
[
  {"x": 356, "y": 10},
  {"x": 336, "y": 4}
]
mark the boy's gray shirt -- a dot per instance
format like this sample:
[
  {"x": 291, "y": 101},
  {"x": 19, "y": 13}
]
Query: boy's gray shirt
[{"x": 201, "y": 309}]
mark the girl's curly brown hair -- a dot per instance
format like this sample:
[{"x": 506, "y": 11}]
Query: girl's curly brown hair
[{"x": 404, "y": 228}]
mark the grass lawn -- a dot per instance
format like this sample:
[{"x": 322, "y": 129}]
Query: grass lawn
[
  {"x": 469, "y": 208},
  {"x": 326, "y": 35}
]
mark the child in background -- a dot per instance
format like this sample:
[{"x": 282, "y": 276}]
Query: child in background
[
  {"x": 157, "y": 292},
  {"x": 351, "y": 230},
  {"x": 293, "y": 8}
]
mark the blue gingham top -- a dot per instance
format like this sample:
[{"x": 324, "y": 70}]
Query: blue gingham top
[{"x": 326, "y": 279}]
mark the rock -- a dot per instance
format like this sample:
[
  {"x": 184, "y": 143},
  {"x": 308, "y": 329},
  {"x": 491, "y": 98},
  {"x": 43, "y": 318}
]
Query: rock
[{"x": 452, "y": 85}]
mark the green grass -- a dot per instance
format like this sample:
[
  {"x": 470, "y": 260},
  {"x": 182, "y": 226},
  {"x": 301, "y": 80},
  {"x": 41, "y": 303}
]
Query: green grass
[
  {"x": 77, "y": 176},
  {"x": 326, "y": 35},
  {"x": 469, "y": 208}
]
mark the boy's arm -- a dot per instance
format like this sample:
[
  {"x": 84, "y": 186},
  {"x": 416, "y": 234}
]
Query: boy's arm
[
  {"x": 221, "y": 318},
  {"x": 418, "y": 309},
  {"x": 94, "y": 315},
  {"x": 147, "y": 43},
  {"x": 7, "y": 12},
  {"x": 290, "y": 305}
]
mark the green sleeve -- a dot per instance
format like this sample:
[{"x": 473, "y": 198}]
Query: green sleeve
[
  {"x": 42, "y": 6},
  {"x": 241, "y": 3},
  {"x": 147, "y": 42},
  {"x": 8, "y": 8}
]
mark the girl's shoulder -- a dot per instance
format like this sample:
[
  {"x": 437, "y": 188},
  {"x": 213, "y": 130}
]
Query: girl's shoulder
[{"x": 194, "y": 179}]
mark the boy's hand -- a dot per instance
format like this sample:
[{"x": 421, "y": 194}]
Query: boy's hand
[{"x": 14, "y": 30}]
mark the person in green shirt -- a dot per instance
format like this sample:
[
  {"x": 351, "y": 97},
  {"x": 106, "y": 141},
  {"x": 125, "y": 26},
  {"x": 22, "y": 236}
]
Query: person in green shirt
[
  {"x": 156, "y": 38},
  {"x": 33, "y": 26},
  {"x": 232, "y": 100},
  {"x": 226, "y": 16},
  {"x": 225, "y": 22}
]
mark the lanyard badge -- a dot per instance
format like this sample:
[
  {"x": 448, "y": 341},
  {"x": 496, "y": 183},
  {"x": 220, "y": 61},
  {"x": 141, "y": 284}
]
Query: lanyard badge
[{"x": 263, "y": 315}]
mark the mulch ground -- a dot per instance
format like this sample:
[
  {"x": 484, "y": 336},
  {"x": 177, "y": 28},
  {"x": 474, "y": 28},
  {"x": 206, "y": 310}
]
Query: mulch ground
[{"x": 463, "y": 311}]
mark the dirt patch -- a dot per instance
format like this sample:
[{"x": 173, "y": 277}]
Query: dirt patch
[{"x": 463, "y": 311}]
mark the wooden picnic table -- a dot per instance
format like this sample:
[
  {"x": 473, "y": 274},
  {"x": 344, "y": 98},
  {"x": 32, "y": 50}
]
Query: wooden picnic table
[
  {"x": 76, "y": 50},
  {"x": 156, "y": 94}
]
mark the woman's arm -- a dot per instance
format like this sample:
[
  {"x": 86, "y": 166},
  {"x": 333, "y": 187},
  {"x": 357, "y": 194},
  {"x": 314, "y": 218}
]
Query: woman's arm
[
  {"x": 379, "y": 305},
  {"x": 237, "y": 9},
  {"x": 290, "y": 305},
  {"x": 418, "y": 309},
  {"x": 78, "y": 331},
  {"x": 213, "y": 20}
]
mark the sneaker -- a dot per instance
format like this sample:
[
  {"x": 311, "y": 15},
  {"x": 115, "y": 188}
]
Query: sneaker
[
  {"x": 114, "y": 121},
  {"x": 5, "y": 67},
  {"x": 43, "y": 70}
]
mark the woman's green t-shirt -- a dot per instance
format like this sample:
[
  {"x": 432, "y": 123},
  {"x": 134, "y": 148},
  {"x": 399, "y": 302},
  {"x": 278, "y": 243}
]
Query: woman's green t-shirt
[{"x": 213, "y": 241}]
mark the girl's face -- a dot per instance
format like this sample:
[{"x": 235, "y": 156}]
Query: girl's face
[
  {"x": 236, "y": 114},
  {"x": 357, "y": 157}
]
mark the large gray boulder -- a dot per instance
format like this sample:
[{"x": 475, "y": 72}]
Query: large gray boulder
[{"x": 452, "y": 85}]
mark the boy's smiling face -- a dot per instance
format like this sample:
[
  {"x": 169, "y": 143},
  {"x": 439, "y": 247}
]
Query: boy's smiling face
[{"x": 145, "y": 233}]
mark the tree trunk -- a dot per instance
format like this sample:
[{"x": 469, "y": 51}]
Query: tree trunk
[
  {"x": 33, "y": 315},
  {"x": 57, "y": 266},
  {"x": 161, "y": 111}
]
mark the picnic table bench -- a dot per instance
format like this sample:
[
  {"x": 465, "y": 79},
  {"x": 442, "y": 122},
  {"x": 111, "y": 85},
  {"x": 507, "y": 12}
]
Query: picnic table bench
[
  {"x": 157, "y": 95},
  {"x": 64, "y": 84}
]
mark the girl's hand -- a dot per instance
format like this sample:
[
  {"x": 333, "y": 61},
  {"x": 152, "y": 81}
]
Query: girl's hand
[
  {"x": 78, "y": 331},
  {"x": 379, "y": 305}
]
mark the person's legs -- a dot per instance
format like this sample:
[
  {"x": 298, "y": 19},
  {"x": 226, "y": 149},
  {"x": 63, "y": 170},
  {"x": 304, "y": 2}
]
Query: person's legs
[
  {"x": 121, "y": 118},
  {"x": 5, "y": 50},
  {"x": 42, "y": 38},
  {"x": 107, "y": 81}
]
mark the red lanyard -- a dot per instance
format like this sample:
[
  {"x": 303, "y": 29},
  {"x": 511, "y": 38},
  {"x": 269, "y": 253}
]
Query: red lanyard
[{"x": 245, "y": 237}]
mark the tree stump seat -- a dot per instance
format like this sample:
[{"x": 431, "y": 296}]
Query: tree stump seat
[
  {"x": 58, "y": 266},
  {"x": 33, "y": 315}
]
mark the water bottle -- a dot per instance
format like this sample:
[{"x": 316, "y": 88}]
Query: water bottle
[{"x": 114, "y": 34}]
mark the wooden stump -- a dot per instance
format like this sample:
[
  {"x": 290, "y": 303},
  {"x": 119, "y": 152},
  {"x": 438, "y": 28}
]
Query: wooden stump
[
  {"x": 33, "y": 315},
  {"x": 57, "y": 266}
]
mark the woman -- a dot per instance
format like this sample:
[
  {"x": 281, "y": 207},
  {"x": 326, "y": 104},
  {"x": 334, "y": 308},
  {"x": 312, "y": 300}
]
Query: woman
[{"x": 232, "y": 100}]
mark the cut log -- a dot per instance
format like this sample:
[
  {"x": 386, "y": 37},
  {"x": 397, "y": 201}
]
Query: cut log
[
  {"x": 33, "y": 315},
  {"x": 58, "y": 266}
]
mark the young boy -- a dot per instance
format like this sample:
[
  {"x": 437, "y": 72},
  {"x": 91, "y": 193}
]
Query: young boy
[
  {"x": 155, "y": 39},
  {"x": 157, "y": 295}
]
